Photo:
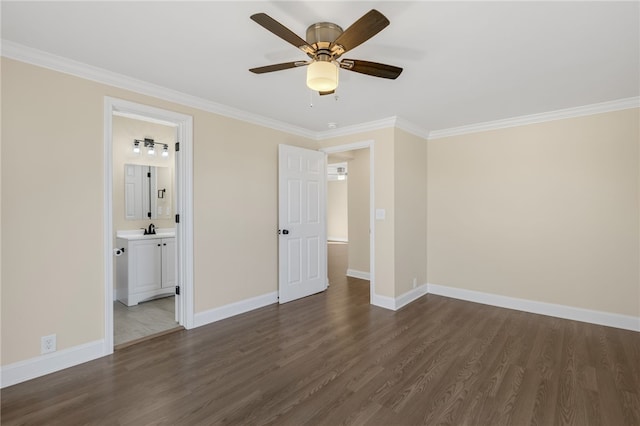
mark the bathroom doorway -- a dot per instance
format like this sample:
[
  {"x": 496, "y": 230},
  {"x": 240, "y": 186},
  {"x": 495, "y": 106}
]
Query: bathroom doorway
[
  {"x": 148, "y": 222},
  {"x": 144, "y": 193}
]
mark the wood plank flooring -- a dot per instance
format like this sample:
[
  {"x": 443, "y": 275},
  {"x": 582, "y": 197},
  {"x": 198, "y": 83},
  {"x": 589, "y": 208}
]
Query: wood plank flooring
[{"x": 332, "y": 359}]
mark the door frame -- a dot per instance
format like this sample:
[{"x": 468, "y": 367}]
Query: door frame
[
  {"x": 183, "y": 207},
  {"x": 350, "y": 147}
]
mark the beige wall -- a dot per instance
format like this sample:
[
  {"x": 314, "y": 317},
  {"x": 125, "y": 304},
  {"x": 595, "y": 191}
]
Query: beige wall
[
  {"x": 52, "y": 197},
  {"x": 411, "y": 211},
  {"x": 337, "y": 210},
  {"x": 52, "y": 207},
  {"x": 234, "y": 223},
  {"x": 359, "y": 210},
  {"x": 547, "y": 212}
]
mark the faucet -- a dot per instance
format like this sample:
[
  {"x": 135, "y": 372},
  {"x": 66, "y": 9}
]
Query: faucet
[{"x": 150, "y": 231}]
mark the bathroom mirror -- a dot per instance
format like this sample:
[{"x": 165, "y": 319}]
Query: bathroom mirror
[{"x": 147, "y": 192}]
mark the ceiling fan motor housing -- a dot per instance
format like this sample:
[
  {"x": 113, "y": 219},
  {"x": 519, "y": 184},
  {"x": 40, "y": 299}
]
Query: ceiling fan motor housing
[{"x": 320, "y": 35}]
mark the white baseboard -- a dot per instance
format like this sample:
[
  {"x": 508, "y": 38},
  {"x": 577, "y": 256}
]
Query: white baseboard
[
  {"x": 28, "y": 369},
  {"x": 338, "y": 239},
  {"x": 358, "y": 274},
  {"x": 411, "y": 295},
  {"x": 396, "y": 303},
  {"x": 559, "y": 311},
  {"x": 383, "y": 301},
  {"x": 232, "y": 309}
]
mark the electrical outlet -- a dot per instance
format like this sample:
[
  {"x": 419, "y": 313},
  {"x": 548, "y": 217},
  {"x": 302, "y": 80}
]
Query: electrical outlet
[
  {"x": 415, "y": 282},
  {"x": 48, "y": 344}
]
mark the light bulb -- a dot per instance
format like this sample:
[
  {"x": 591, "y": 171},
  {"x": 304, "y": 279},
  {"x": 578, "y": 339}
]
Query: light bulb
[{"x": 322, "y": 76}]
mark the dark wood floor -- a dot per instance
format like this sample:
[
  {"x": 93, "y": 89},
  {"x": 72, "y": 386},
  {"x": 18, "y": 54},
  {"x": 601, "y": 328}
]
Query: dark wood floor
[{"x": 333, "y": 359}]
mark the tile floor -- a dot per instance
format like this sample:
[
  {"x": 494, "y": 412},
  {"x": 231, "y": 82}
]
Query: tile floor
[{"x": 134, "y": 322}]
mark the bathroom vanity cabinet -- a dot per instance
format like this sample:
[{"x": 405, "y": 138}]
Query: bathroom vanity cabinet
[{"x": 147, "y": 268}]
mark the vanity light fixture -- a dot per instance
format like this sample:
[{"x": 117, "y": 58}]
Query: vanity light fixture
[{"x": 150, "y": 146}]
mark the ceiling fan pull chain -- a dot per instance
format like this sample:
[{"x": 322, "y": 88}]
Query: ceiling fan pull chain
[{"x": 310, "y": 98}]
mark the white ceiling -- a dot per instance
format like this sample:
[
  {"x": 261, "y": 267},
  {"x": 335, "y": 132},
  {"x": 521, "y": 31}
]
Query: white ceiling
[{"x": 464, "y": 62}]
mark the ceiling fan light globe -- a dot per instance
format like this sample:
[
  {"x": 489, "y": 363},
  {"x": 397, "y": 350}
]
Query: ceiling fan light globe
[{"x": 322, "y": 76}]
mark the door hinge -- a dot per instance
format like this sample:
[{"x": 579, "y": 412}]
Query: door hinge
[
  {"x": 177, "y": 146},
  {"x": 177, "y": 218},
  {"x": 177, "y": 290},
  {"x": 148, "y": 174},
  {"x": 149, "y": 215}
]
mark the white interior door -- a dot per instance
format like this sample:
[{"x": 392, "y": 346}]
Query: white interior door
[{"x": 302, "y": 245}]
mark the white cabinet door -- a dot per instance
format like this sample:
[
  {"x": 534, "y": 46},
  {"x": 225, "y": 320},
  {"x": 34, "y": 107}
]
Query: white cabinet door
[
  {"x": 168, "y": 262},
  {"x": 146, "y": 258}
]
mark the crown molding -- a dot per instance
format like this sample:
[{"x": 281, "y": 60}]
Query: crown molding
[
  {"x": 411, "y": 128},
  {"x": 43, "y": 59},
  {"x": 602, "y": 107},
  {"x": 384, "y": 123}
]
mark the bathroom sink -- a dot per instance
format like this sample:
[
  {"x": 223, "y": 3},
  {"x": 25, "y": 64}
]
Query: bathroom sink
[
  {"x": 138, "y": 234},
  {"x": 163, "y": 234}
]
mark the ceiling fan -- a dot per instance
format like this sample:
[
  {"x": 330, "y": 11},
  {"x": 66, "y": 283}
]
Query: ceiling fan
[{"x": 326, "y": 43}]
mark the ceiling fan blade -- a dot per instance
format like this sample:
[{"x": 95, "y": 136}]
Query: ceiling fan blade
[
  {"x": 278, "y": 67},
  {"x": 281, "y": 31},
  {"x": 371, "y": 68},
  {"x": 362, "y": 30},
  {"x": 330, "y": 92}
]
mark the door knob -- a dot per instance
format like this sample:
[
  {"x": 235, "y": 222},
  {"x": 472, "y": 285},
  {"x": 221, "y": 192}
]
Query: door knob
[{"x": 283, "y": 231}]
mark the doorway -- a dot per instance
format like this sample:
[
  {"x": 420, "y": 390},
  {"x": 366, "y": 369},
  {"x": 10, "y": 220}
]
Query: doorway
[
  {"x": 357, "y": 231},
  {"x": 169, "y": 210},
  {"x": 143, "y": 203}
]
